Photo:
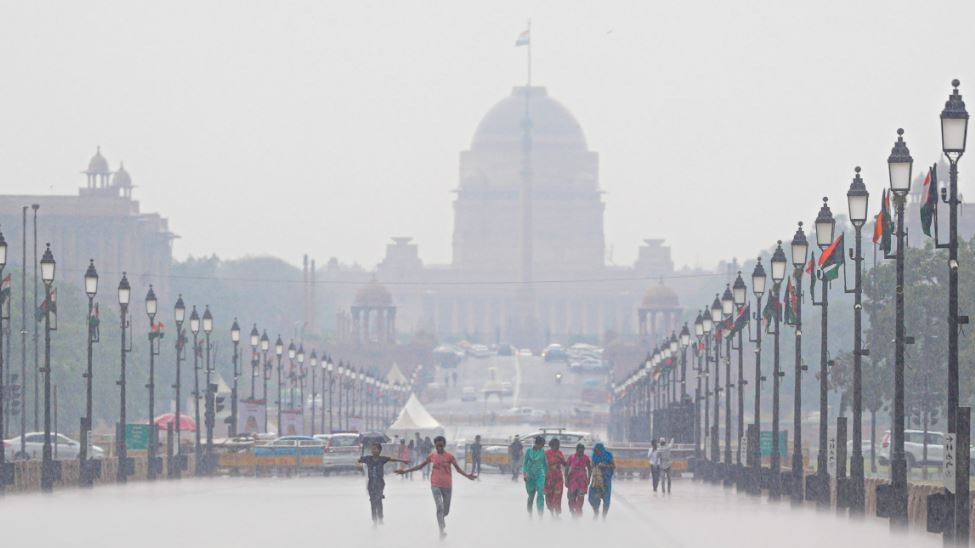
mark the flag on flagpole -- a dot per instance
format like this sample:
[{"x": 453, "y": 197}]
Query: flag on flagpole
[
  {"x": 832, "y": 258},
  {"x": 791, "y": 304},
  {"x": 5, "y": 286},
  {"x": 524, "y": 38},
  {"x": 929, "y": 200},
  {"x": 740, "y": 321}
]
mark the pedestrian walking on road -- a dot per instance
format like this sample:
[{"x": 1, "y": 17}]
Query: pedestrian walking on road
[
  {"x": 425, "y": 450},
  {"x": 376, "y": 484},
  {"x": 654, "y": 456},
  {"x": 554, "y": 478},
  {"x": 666, "y": 463},
  {"x": 441, "y": 479},
  {"x": 580, "y": 470},
  {"x": 405, "y": 454},
  {"x": 534, "y": 471},
  {"x": 601, "y": 490},
  {"x": 476, "y": 455},
  {"x": 515, "y": 452}
]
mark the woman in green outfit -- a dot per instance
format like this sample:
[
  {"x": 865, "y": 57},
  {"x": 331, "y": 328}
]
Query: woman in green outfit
[{"x": 535, "y": 468}]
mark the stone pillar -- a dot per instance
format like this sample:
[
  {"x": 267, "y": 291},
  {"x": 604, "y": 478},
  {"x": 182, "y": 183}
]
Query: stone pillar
[
  {"x": 391, "y": 325},
  {"x": 365, "y": 322},
  {"x": 356, "y": 332}
]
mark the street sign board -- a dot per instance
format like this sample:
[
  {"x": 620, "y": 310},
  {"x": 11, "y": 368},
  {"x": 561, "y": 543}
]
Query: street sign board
[
  {"x": 831, "y": 456},
  {"x": 765, "y": 443},
  {"x": 137, "y": 437},
  {"x": 949, "y": 463}
]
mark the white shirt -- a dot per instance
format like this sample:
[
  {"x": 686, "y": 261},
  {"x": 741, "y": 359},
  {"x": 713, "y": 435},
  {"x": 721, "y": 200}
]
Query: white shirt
[{"x": 654, "y": 457}]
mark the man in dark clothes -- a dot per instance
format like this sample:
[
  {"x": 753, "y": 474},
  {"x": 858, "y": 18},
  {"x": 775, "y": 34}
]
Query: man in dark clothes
[
  {"x": 376, "y": 484},
  {"x": 515, "y": 452},
  {"x": 476, "y": 455}
]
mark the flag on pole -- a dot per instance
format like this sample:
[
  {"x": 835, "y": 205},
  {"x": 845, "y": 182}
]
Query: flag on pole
[
  {"x": 832, "y": 258},
  {"x": 741, "y": 320},
  {"x": 49, "y": 304},
  {"x": 524, "y": 38},
  {"x": 929, "y": 200},
  {"x": 791, "y": 304},
  {"x": 5, "y": 287},
  {"x": 773, "y": 308},
  {"x": 886, "y": 225}
]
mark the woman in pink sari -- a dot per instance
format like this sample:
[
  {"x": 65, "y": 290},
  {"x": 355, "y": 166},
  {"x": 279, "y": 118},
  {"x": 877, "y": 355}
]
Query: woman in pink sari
[
  {"x": 554, "y": 478},
  {"x": 580, "y": 469}
]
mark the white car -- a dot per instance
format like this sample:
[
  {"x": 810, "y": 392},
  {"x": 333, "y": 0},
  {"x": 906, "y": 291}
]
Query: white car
[
  {"x": 342, "y": 451},
  {"x": 914, "y": 448},
  {"x": 62, "y": 447},
  {"x": 525, "y": 352},
  {"x": 479, "y": 351}
]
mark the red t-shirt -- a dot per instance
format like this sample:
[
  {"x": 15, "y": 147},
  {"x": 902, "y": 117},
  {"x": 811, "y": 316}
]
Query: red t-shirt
[{"x": 441, "y": 474}]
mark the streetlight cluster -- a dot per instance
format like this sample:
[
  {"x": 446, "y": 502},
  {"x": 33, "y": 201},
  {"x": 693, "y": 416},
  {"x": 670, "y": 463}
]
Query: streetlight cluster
[{"x": 645, "y": 392}]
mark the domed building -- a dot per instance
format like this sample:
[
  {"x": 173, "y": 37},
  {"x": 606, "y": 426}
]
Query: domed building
[
  {"x": 373, "y": 315},
  {"x": 660, "y": 313}
]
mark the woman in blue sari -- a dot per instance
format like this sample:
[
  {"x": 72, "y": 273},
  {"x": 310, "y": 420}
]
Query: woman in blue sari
[{"x": 601, "y": 491}]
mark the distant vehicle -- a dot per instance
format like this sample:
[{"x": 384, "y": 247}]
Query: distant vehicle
[
  {"x": 479, "y": 351},
  {"x": 567, "y": 439},
  {"x": 287, "y": 445},
  {"x": 914, "y": 448},
  {"x": 554, "y": 353},
  {"x": 525, "y": 352},
  {"x": 505, "y": 350},
  {"x": 62, "y": 446},
  {"x": 587, "y": 365},
  {"x": 342, "y": 451},
  {"x": 468, "y": 394},
  {"x": 506, "y": 388}
]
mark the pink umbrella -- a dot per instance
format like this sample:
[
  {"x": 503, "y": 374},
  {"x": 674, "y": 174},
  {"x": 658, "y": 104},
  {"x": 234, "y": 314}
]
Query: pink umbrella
[{"x": 186, "y": 424}]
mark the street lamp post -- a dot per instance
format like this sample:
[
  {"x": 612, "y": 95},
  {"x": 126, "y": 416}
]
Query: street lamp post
[
  {"x": 292, "y": 376},
  {"x": 179, "y": 314},
  {"x": 340, "y": 370},
  {"x": 197, "y": 447},
  {"x": 857, "y": 199},
  {"x": 313, "y": 365},
  {"x": 685, "y": 341},
  {"x": 727, "y": 310},
  {"x": 265, "y": 374},
  {"x": 300, "y": 355},
  {"x": 954, "y": 134},
  {"x": 899, "y": 165},
  {"x": 699, "y": 374},
  {"x": 91, "y": 288},
  {"x": 825, "y": 226},
  {"x": 235, "y": 338},
  {"x": 154, "y": 336},
  {"x": 3, "y": 308},
  {"x": 778, "y": 263},
  {"x": 715, "y": 446},
  {"x": 124, "y": 294},
  {"x": 210, "y": 417},
  {"x": 707, "y": 324},
  {"x": 740, "y": 290},
  {"x": 255, "y": 341},
  {"x": 758, "y": 289},
  {"x": 799, "y": 249},
  {"x": 278, "y": 351},
  {"x": 48, "y": 472}
]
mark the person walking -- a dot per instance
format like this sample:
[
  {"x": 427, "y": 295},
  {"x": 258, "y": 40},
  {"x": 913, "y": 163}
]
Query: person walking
[
  {"x": 376, "y": 484},
  {"x": 554, "y": 477},
  {"x": 654, "y": 458},
  {"x": 476, "y": 455},
  {"x": 515, "y": 451},
  {"x": 534, "y": 470},
  {"x": 580, "y": 470},
  {"x": 405, "y": 454},
  {"x": 441, "y": 479},
  {"x": 601, "y": 490},
  {"x": 666, "y": 463},
  {"x": 426, "y": 450}
]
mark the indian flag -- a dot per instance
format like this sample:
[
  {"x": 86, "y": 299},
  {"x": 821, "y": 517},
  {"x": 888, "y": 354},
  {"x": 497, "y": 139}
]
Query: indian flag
[
  {"x": 524, "y": 38},
  {"x": 831, "y": 259}
]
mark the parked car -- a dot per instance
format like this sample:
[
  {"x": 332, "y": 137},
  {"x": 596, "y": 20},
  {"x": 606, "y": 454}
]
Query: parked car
[
  {"x": 505, "y": 350},
  {"x": 468, "y": 394},
  {"x": 62, "y": 446},
  {"x": 525, "y": 352},
  {"x": 287, "y": 445},
  {"x": 342, "y": 451},
  {"x": 479, "y": 351},
  {"x": 914, "y": 441},
  {"x": 554, "y": 353}
]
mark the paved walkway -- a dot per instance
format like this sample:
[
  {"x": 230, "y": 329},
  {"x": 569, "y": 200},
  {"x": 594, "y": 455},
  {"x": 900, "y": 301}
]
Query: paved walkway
[{"x": 334, "y": 511}]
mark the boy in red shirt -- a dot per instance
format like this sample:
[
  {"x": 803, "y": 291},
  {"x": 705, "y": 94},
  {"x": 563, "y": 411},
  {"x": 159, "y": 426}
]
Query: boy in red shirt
[{"x": 441, "y": 478}]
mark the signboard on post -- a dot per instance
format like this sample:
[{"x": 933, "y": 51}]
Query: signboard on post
[
  {"x": 831, "y": 456},
  {"x": 949, "y": 462},
  {"x": 137, "y": 437},
  {"x": 765, "y": 443},
  {"x": 251, "y": 416}
]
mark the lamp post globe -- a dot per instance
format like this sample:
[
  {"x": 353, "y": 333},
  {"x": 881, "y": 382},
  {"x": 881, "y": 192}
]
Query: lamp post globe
[
  {"x": 685, "y": 336},
  {"x": 825, "y": 225},
  {"x": 47, "y": 266},
  {"x": 954, "y": 124},
  {"x": 759, "y": 279},
  {"x": 739, "y": 290},
  {"x": 235, "y": 332},
  {"x": 727, "y": 301},
  {"x": 255, "y": 338},
  {"x": 91, "y": 275},
  {"x": 779, "y": 263},
  {"x": 800, "y": 248},
  {"x": 207, "y": 320},
  {"x": 899, "y": 166},
  {"x": 857, "y": 199},
  {"x": 278, "y": 347},
  {"x": 194, "y": 321},
  {"x": 300, "y": 354},
  {"x": 179, "y": 311},
  {"x": 151, "y": 303},
  {"x": 265, "y": 342},
  {"x": 716, "y": 310}
]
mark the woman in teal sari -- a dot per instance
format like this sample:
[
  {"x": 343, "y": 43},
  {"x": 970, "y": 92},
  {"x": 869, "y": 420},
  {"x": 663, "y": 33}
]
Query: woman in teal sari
[
  {"x": 601, "y": 491},
  {"x": 534, "y": 469}
]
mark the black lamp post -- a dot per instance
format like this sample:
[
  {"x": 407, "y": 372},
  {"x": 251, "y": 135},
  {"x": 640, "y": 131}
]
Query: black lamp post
[
  {"x": 330, "y": 368},
  {"x": 278, "y": 351},
  {"x": 739, "y": 292},
  {"x": 265, "y": 374},
  {"x": 899, "y": 165},
  {"x": 235, "y": 338},
  {"x": 954, "y": 134},
  {"x": 715, "y": 445},
  {"x": 255, "y": 340},
  {"x": 154, "y": 336},
  {"x": 699, "y": 374},
  {"x": 198, "y": 446},
  {"x": 727, "y": 311},
  {"x": 91, "y": 288},
  {"x": 857, "y": 199},
  {"x": 179, "y": 314},
  {"x": 313, "y": 365},
  {"x": 799, "y": 250},
  {"x": 300, "y": 356},
  {"x": 48, "y": 472},
  {"x": 778, "y": 263},
  {"x": 825, "y": 226},
  {"x": 292, "y": 375},
  {"x": 3, "y": 309},
  {"x": 707, "y": 325},
  {"x": 340, "y": 370},
  {"x": 210, "y": 415},
  {"x": 124, "y": 294},
  {"x": 758, "y": 289}
]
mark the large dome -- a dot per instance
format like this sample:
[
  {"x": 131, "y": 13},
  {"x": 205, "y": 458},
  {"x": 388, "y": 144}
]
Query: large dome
[
  {"x": 98, "y": 165},
  {"x": 660, "y": 296},
  {"x": 373, "y": 294},
  {"x": 552, "y": 123}
]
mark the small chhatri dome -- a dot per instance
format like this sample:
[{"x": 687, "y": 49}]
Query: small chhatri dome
[
  {"x": 373, "y": 294},
  {"x": 98, "y": 165},
  {"x": 660, "y": 296},
  {"x": 122, "y": 177}
]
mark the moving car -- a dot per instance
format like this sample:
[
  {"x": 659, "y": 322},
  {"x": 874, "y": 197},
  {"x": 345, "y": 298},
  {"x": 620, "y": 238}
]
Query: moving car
[
  {"x": 289, "y": 445},
  {"x": 62, "y": 446},
  {"x": 914, "y": 441},
  {"x": 526, "y": 352},
  {"x": 468, "y": 394},
  {"x": 554, "y": 353},
  {"x": 342, "y": 451}
]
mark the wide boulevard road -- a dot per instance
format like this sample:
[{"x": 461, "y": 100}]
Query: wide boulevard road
[{"x": 334, "y": 511}]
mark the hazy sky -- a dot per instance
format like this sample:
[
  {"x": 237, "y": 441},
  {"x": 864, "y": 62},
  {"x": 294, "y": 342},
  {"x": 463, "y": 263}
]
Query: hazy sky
[{"x": 326, "y": 127}]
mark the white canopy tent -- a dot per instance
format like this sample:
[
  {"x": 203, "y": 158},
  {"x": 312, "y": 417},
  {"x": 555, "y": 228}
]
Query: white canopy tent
[{"x": 414, "y": 418}]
